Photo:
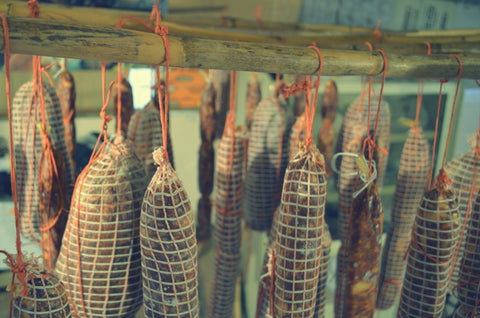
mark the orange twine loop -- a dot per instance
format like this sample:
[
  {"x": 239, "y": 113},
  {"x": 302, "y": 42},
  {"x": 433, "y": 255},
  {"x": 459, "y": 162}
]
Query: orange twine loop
[
  {"x": 298, "y": 86},
  {"x": 34, "y": 8},
  {"x": 258, "y": 12},
  {"x": 377, "y": 32}
]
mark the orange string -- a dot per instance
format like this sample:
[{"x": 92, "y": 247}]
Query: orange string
[
  {"x": 460, "y": 67},
  {"x": 34, "y": 8},
  {"x": 162, "y": 31},
  {"x": 311, "y": 107},
  {"x": 258, "y": 12},
  {"x": 119, "y": 99},
  {"x": 377, "y": 32},
  {"x": 442, "y": 81},
  {"x": 18, "y": 266},
  {"x": 370, "y": 46}
]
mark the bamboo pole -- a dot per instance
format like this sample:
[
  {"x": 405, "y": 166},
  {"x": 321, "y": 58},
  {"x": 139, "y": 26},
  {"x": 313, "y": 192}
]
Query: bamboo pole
[
  {"x": 341, "y": 36},
  {"x": 74, "y": 40}
]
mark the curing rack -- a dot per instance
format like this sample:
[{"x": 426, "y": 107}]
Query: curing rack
[{"x": 193, "y": 47}]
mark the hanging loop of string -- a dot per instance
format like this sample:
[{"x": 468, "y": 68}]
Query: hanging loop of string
[
  {"x": 17, "y": 266},
  {"x": 377, "y": 32},
  {"x": 162, "y": 31},
  {"x": 224, "y": 17},
  {"x": 442, "y": 181},
  {"x": 311, "y": 105},
  {"x": 258, "y": 13}
]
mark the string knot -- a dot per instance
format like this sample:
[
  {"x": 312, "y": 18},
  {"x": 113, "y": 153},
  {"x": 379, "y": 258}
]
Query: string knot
[
  {"x": 34, "y": 8},
  {"x": 160, "y": 156},
  {"x": 298, "y": 86},
  {"x": 442, "y": 181},
  {"x": 443, "y": 81},
  {"x": 161, "y": 30}
]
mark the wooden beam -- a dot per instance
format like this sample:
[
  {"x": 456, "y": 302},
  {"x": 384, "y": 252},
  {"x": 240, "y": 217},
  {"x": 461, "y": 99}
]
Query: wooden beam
[
  {"x": 334, "y": 37},
  {"x": 74, "y": 40}
]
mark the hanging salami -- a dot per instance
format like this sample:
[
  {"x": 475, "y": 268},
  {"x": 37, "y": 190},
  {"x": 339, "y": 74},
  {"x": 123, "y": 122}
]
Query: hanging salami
[
  {"x": 126, "y": 96},
  {"x": 67, "y": 96},
  {"x": 168, "y": 245},
  {"x": 254, "y": 96},
  {"x": 229, "y": 193},
  {"x": 411, "y": 183},
  {"x": 28, "y": 146},
  {"x": 99, "y": 262},
  {"x": 268, "y": 151}
]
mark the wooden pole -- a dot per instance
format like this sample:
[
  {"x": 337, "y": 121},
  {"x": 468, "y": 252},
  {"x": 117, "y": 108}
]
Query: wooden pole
[
  {"x": 74, "y": 40},
  {"x": 336, "y": 38}
]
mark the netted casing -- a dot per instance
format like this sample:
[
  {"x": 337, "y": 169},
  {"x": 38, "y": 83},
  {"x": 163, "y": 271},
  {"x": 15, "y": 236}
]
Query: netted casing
[
  {"x": 28, "y": 144},
  {"x": 359, "y": 271},
  {"x": 229, "y": 194},
  {"x": 254, "y": 96},
  {"x": 169, "y": 246},
  {"x": 46, "y": 296},
  {"x": 268, "y": 151},
  {"x": 468, "y": 290},
  {"x": 297, "y": 134},
  {"x": 67, "y": 95},
  {"x": 145, "y": 131},
  {"x": 126, "y": 99},
  {"x": 99, "y": 262},
  {"x": 460, "y": 170},
  {"x": 412, "y": 179},
  {"x": 298, "y": 243},
  {"x": 430, "y": 255},
  {"x": 321, "y": 300}
]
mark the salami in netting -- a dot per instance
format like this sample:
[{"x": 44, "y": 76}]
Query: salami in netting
[
  {"x": 99, "y": 262},
  {"x": 145, "y": 131},
  {"x": 359, "y": 267},
  {"x": 468, "y": 289},
  {"x": 268, "y": 151},
  {"x": 412, "y": 179},
  {"x": 297, "y": 134},
  {"x": 126, "y": 102},
  {"x": 326, "y": 134},
  {"x": 46, "y": 296},
  {"x": 321, "y": 300},
  {"x": 168, "y": 245},
  {"x": 66, "y": 95},
  {"x": 229, "y": 194},
  {"x": 28, "y": 145},
  {"x": 298, "y": 243},
  {"x": 461, "y": 172},
  {"x": 206, "y": 162},
  {"x": 430, "y": 255}
]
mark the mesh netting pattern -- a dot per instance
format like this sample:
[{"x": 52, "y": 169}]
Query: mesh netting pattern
[
  {"x": 268, "y": 152},
  {"x": 298, "y": 243},
  {"x": 169, "y": 246},
  {"x": 46, "y": 296},
  {"x": 359, "y": 271},
  {"x": 145, "y": 131},
  {"x": 66, "y": 95},
  {"x": 321, "y": 299},
  {"x": 229, "y": 194},
  {"x": 460, "y": 170},
  {"x": 297, "y": 134},
  {"x": 28, "y": 144},
  {"x": 412, "y": 179},
  {"x": 468, "y": 290},
  {"x": 99, "y": 262},
  {"x": 430, "y": 255}
]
